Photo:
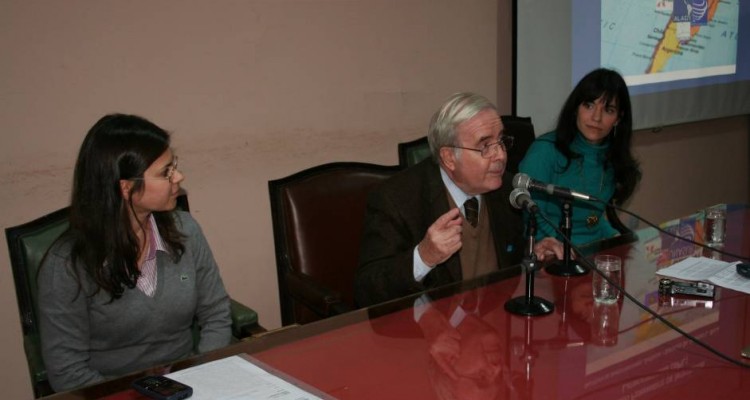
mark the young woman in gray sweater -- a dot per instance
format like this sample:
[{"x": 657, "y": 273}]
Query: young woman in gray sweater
[{"x": 120, "y": 290}]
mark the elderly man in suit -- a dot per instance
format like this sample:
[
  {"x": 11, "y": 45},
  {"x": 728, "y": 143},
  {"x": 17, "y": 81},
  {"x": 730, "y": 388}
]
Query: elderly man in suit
[{"x": 447, "y": 218}]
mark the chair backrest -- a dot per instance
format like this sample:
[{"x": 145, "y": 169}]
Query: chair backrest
[
  {"x": 522, "y": 131},
  {"x": 411, "y": 153},
  {"x": 27, "y": 245},
  {"x": 521, "y": 128},
  {"x": 318, "y": 218}
]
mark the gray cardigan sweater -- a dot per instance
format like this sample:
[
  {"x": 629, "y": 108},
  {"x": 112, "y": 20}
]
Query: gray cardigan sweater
[{"x": 88, "y": 339}]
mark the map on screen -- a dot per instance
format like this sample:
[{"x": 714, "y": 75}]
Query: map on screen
[
  {"x": 683, "y": 60},
  {"x": 654, "y": 41}
]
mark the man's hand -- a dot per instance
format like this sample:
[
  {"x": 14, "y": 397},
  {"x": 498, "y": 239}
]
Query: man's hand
[
  {"x": 443, "y": 238},
  {"x": 548, "y": 247}
]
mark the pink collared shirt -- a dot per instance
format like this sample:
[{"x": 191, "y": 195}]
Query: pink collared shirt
[{"x": 147, "y": 281}]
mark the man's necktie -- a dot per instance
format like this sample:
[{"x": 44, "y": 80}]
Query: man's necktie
[{"x": 471, "y": 209}]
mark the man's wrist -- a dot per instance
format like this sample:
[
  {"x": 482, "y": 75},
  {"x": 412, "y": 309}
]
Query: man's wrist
[
  {"x": 422, "y": 258},
  {"x": 420, "y": 268}
]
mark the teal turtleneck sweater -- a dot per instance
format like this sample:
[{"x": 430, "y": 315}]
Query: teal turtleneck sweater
[{"x": 585, "y": 174}]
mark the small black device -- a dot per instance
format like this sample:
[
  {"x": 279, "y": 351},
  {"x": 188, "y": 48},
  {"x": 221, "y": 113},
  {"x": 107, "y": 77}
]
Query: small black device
[
  {"x": 162, "y": 388},
  {"x": 670, "y": 287},
  {"x": 744, "y": 269}
]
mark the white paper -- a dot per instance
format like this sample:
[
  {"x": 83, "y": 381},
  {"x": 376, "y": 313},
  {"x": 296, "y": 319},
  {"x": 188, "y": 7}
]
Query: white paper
[
  {"x": 702, "y": 269},
  {"x": 694, "y": 269},
  {"x": 236, "y": 378}
]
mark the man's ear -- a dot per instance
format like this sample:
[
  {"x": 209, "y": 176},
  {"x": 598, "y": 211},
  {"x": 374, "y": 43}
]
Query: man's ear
[
  {"x": 126, "y": 187},
  {"x": 448, "y": 158}
]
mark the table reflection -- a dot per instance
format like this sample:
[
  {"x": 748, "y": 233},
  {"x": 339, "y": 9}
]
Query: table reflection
[{"x": 466, "y": 361}]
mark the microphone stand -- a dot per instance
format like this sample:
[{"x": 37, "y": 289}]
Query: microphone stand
[
  {"x": 529, "y": 305},
  {"x": 566, "y": 266}
]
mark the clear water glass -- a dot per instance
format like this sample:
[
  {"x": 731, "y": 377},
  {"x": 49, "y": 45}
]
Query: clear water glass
[
  {"x": 715, "y": 226},
  {"x": 611, "y": 267}
]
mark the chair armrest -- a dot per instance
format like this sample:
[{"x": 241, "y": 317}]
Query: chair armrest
[
  {"x": 320, "y": 299},
  {"x": 244, "y": 320}
]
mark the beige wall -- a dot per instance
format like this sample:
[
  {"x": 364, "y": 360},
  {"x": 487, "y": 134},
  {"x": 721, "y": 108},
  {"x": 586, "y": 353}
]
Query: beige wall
[
  {"x": 252, "y": 90},
  {"x": 257, "y": 90},
  {"x": 690, "y": 166}
]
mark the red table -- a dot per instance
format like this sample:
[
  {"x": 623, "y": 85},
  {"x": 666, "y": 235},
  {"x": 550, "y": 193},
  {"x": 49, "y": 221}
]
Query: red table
[{"x": 579, "y": 351}]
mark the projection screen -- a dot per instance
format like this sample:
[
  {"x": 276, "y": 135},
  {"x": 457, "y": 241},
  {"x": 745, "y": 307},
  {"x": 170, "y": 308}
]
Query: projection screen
[{"x": 683, "y": 60}]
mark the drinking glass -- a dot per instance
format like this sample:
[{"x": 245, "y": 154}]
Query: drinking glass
[
  {"x": 611, "y": 267},
  {"x": 715, "y": 226}
]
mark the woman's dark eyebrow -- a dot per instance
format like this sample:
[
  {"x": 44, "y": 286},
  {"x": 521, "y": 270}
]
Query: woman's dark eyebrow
[{"x": 165, "y": 168}]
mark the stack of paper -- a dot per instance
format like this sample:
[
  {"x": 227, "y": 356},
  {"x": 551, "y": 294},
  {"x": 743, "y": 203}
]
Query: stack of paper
[
  {"x": 702, "y": 269},
  {"x": 241, "y": 377}
]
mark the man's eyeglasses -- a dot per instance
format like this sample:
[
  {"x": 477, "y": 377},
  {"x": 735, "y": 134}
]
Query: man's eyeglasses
[
  {"x": 168, "y": 173},
  {"x": 491, "y": 149}
]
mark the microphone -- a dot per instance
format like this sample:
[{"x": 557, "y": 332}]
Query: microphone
[
  {"x": 523, "y": 181},
  {"x": 521, "y": 199}
]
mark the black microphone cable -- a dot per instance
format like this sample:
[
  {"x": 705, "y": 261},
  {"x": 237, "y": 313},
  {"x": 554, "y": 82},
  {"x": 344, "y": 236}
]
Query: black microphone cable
[
  {"x": 674, "y": 235},
  {"x": 672, "y": 326},
  {"x": 523, "y": 181}
]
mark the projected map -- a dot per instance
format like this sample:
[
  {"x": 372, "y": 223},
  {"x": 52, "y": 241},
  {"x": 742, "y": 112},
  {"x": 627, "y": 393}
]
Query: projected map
[{"x": 654, "y": 41}]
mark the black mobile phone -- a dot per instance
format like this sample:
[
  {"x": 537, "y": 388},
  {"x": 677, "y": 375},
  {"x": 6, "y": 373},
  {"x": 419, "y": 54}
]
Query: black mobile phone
[
  {"x": 744, "y": 269},
  {"x": 162, "y": 388}
]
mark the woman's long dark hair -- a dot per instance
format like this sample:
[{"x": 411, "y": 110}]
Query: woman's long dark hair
[
  {"x": 608, "y": 83},
  {"x": 104, "y": 243}
]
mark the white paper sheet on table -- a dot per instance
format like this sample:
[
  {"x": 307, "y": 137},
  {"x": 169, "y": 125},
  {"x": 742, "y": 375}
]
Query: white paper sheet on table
[
  {"x": 235, "y": 378},
  {"x": 702, "y": 269}
]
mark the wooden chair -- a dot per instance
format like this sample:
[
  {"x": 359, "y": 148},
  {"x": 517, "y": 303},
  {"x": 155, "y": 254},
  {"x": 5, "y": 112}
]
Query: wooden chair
[{"x": 318, "y": 216}]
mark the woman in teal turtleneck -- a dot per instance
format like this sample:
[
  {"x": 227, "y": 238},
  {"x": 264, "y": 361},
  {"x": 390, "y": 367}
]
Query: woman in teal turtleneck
[{"x": 589, "y": 152}]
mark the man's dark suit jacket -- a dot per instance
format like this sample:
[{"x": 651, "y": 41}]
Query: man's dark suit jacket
[{"x": 400, "y": 211}]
